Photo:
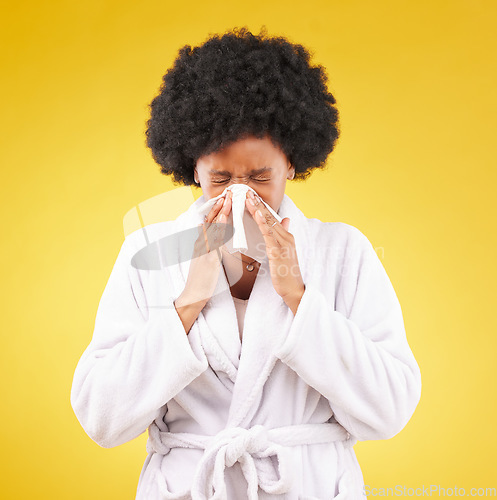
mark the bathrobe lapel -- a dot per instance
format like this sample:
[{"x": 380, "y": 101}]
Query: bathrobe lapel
[{"x": 244, "y": 367}]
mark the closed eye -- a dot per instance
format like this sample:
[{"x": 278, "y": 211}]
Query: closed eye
[{"x": 257, "y": 180}]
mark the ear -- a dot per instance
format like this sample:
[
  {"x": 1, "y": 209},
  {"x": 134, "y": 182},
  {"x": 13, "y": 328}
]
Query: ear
[{"x": 291, "y": 172}]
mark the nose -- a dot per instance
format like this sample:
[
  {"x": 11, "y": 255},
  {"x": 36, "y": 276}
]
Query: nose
[
  {"x": 241, "y": 192},
  {"x": 242, "y": 181}
]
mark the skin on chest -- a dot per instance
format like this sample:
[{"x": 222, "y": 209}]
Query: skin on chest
[{"x": 240, "y": 287}]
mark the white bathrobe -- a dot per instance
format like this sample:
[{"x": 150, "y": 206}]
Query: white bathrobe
[{"x": 274, "y": 419}]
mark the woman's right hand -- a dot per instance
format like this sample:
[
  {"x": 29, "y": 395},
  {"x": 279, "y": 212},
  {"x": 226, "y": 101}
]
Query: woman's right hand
[{"x": 207, "y": 255}]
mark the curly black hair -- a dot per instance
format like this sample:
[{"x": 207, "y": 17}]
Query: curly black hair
[{"x": 236, "y": 85}]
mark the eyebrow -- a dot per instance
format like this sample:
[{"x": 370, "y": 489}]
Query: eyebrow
[{"x": 253, "y": 171}]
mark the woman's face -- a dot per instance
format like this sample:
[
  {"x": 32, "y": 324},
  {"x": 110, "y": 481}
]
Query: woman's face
[{"x": 252, "y": 161}]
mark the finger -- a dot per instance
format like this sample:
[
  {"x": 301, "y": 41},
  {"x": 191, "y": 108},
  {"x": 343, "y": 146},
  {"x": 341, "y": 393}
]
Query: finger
[
  {"x": 222, "y": 205},
  {"x": 271, "y": 239},
  {"x": 285, "y": 223},
  {"x": 214, "y": 210},
  {"x": 215, "y": 234},
  {"x": 226, "y": 208},
  {"x": 274, "y": 234},
  {"x": 216, "y": 230},
  {"x": 210, "y": 238},
  {"x": 206, "y": 239},
  {"x": 268, "y": 217},
  {"x": 222, "y": 215},
  {"x": 266, "y": 226},
  {"x": 199, "y": 244}
]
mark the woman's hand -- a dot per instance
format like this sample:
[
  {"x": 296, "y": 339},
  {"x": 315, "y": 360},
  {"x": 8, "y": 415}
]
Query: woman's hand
[
  {"x": 282, "y": 254},
  {"x": 207, "y": 255}
]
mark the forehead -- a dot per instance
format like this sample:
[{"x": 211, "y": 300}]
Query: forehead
[
  {"x": 250, "y": 156},
  {"x": 240, "y": 170}
]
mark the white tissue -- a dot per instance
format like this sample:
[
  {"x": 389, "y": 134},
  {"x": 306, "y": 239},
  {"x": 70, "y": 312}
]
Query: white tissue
[{"x": 247, "y": 236}]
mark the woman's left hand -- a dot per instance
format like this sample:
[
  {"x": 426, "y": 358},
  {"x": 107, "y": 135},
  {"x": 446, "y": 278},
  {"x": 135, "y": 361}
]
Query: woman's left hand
[{"x": 282, "y": 254}]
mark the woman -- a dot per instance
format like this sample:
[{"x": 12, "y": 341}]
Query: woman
[{"x": 265, "y": 402}]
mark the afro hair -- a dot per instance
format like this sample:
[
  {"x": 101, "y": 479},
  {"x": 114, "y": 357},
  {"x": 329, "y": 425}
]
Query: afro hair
[{"x": 236, "y": 85}]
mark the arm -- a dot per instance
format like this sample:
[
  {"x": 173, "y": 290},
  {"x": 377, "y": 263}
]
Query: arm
[
  {"x": 188, "y": 311},
  {"x": 358, "y": 359},
  {"x": 137, "y": 360}
]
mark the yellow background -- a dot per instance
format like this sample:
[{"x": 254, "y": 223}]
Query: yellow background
[{"x": 414, "y": 170}]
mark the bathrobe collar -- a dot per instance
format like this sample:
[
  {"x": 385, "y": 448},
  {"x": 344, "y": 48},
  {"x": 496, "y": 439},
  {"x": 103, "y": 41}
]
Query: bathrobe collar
[{"x": 244, "y": 368}]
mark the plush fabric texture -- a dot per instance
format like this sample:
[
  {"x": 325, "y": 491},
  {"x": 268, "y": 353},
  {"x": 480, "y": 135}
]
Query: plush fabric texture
[{"x": 273, "y": 417}]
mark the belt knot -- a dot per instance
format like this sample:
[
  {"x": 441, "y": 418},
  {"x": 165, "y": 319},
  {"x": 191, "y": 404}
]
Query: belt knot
[
  {"x": 238, "y": 441},
  {"x": 264, "y": 456}
]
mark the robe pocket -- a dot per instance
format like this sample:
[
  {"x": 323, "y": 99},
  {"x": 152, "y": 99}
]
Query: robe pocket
[{"x": 344, "y": 488}]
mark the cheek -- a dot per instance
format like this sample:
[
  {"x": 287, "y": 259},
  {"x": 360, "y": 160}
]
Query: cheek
[
  {"x": 266, "y": 191},
  {"x": 212, "y": 192},
  {"x": 271, "y": 194}
]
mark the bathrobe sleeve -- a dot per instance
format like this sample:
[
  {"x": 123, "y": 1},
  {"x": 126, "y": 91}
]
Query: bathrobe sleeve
[
  {"x": 137, "y": 360},
  {"x": 354, "y": 350}
]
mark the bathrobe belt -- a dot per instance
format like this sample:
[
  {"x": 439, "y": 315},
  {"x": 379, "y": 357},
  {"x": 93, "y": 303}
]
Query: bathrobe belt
[{"x": 252, "y": 448}]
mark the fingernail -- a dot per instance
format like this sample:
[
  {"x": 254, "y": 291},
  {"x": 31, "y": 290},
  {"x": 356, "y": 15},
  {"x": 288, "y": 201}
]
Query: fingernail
[
  {"x": 222, "y": 218},
  {"x": 218, "y": 202},
  {"x": 259, "y": 213},
  {"x": 252, "y": 202}
]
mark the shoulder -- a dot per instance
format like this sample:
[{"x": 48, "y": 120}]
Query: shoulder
[
  {"x": 320, "y": 232},
  {"x": 140, "y": 248},
  {"x": 339, "y": 233},
  {"x": 334, "y": 245},
  {"x": 148, "y": 234}
]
